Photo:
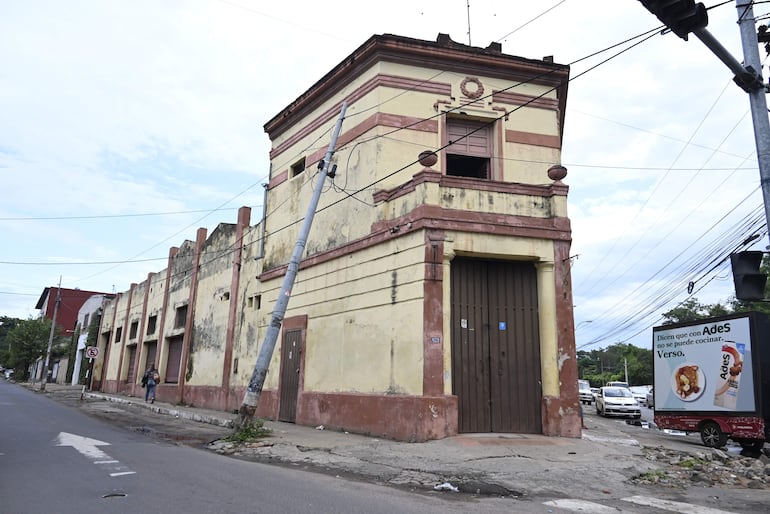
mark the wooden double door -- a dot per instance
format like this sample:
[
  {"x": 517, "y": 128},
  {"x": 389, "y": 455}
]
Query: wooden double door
[{"x": 496, "y": 345}]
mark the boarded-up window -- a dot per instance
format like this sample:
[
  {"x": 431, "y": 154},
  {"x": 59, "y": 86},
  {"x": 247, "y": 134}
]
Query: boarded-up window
[
  {"x": 470, "y": 148},
  {"x": 174, "y": 359}
]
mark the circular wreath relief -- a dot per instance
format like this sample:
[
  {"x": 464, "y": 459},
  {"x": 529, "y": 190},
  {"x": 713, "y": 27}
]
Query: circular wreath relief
[{"x": 472, "y": 94}]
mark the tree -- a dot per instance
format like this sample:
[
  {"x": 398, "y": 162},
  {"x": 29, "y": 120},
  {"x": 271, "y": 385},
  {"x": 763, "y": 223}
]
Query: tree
[
  {"x": 6, "y": 325},
  {"x": 604, "y": 365},
  {"x": 692, "y": 310},
  {"x": 29, "y": 342}
]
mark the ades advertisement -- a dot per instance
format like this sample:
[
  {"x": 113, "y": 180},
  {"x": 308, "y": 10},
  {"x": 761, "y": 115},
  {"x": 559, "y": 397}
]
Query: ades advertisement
[{"x": 704, "y": 367}]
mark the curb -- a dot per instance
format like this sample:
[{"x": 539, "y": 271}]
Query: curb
[{"x": 177, "y": 413}]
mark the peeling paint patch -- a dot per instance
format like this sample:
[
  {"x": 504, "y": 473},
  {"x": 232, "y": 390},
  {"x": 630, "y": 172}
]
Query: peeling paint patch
[{"x": 563, "y": 357}]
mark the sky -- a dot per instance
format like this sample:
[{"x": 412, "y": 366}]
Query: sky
[{"x": 127, "y": 124}]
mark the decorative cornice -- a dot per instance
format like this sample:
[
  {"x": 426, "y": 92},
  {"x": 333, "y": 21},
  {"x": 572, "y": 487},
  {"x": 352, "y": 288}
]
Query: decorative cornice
[
  {"x": 431, "y": 217},
  {"x": 428, "y": 54}
]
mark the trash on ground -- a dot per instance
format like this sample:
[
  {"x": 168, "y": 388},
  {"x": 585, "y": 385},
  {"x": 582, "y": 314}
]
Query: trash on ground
[{"x": 446, "y": 486}]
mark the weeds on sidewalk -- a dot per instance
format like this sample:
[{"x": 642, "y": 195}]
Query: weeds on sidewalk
[{"x": 251, "y": 432}]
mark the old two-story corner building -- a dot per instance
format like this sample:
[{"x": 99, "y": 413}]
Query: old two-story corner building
[{"x": 434, "y": 295}]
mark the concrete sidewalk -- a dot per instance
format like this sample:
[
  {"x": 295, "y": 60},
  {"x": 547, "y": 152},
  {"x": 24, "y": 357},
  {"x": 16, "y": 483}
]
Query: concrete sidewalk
[{"x": 518, "y": 465}]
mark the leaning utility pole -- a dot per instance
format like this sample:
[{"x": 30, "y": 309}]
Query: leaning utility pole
[
  {"x": 254, "y": 389},
  {"x": 50, "y": 337}
]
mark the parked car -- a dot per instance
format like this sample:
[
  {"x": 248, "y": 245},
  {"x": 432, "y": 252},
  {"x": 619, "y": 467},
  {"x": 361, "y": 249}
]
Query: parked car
[
  {"x": 595, "y": 392},
  {"x": 617, "y": 401},
  {"x": 617, "y": 384},
  {"x": 650, "y": 398},
  {"x": 640, "y": 393}
]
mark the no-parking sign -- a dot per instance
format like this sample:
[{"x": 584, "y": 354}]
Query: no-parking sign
[{"x": 92, "y": 352}]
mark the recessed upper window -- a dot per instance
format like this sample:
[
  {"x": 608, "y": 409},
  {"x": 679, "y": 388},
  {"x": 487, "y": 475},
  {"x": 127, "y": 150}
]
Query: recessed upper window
[
  {"x": 298, "y": 167},
  {"x": 152, "y": 321},
  {"x": 181, "y": 317},
  {"x": 470, "y": 149}
]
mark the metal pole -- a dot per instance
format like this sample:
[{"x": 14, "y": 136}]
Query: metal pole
[
  {"x": 625, "y": 367},
  {"x": 257, "y": 381},
  {"x": 50, "y": 337},
  {"x": 745, "y": 78},
  {"x": 88, "y": 375},
  {"x": 757, "y": 98}
]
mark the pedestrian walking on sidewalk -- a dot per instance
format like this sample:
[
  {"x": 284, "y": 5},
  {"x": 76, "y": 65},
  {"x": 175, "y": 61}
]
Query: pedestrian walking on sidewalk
[{"x": 151, "y": 378}]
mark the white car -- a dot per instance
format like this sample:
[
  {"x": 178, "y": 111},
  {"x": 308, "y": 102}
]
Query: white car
[
  {"x": 617, "y": 401},
  {"x": 640, "y": 393},
  {"x": 584, "y": 389},
  {"x": 650, "y": 399}
]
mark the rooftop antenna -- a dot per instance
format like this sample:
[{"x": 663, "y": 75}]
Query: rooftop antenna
[{"x": 468, "y": 4}]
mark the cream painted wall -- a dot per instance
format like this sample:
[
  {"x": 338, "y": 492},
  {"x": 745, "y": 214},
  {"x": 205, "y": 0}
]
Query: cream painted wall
[
  {"x": 178, "y": 296},
  {"x": 549, "y": 345},
  {"x": 113, "y": 372},
  {"x": 358, "y": 339},
  {"x": 370, "y": 160},
  {"x": 156, "y": 294},
  {"x": 105, "y": 332}
]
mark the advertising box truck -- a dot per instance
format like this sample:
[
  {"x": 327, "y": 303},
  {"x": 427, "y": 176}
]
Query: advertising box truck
[{"x": 712, "y": 376}]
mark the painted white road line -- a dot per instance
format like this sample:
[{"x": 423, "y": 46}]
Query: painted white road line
[
  {"x": 583, "y": 506},
  {"x": 616, "y": 440},
  {"x": 89, "y": 448},
  {"x": 683, "y": 508}
]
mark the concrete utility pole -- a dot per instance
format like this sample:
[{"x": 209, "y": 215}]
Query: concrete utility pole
[
  {"x": 749, "y": 77},
  {"x": 50, "y": 337},
  {"x": 757, "y": 97},
  {"x": 254, "y": 389},
  {"x": 683, "y": 17}
]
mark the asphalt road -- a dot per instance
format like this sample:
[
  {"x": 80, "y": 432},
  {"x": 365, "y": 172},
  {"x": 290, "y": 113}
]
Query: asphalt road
[{"x": 58, "y": 459}]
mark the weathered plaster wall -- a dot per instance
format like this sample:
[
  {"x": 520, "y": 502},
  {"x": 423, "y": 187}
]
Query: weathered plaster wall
[
  {"x": 155, "y": 297},
  {"x": 181, "y": 270},
  {"x": 118, "y": 322},
  {"x": 207, "y": 346},
  {"x": 251, "y": 319},
  {"x": 373, "y": 160}
]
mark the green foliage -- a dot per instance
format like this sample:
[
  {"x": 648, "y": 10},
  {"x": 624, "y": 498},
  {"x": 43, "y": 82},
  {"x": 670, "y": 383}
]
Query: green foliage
[
  {"x": 692, "y": 462},
  {"x": 28, "y": 341},
  {"x": 251, "y": 432},
  {"x": 603, "y": 365},
  {"x": 6, "y": 325},
  {"x": 692, "y": 310},
  {"x": 73, "y": 349},
  {"x": 653, "y": 475}
]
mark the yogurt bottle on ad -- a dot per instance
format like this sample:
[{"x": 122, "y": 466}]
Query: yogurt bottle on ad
[{"x": 729, "y": 379}]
